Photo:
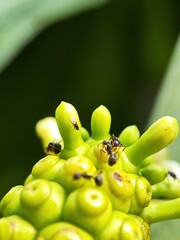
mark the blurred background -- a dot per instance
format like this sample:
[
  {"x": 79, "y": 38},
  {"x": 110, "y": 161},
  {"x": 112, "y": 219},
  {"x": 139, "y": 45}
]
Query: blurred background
[{"x": 115, "y": 55}]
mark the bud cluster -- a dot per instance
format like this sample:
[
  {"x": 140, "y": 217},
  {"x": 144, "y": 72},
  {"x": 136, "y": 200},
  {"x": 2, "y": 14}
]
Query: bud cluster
[{"x": 94, "y": 187}]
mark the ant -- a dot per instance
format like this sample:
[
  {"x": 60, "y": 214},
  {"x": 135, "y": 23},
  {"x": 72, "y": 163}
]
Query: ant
[
  {"x": 110, "y": 147},
  {"x": 172, "y": 174},
  {"x": 98, "y": 178},
  {"x": 73, "y": 121},
  {"x": 53, "y": 147}
]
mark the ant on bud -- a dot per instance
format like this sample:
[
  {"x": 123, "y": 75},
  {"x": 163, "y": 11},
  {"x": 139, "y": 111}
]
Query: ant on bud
[
  {"x": 53, "y": 148},
  {"x": 73, "y": 121},
  {"x": 98, "y": 178},
  {"x": 172, "y": 174},
  {"x": 111, "y": 147}
]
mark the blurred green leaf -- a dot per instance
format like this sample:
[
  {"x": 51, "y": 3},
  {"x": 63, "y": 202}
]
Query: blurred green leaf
[
  {"x": 22, "y": 20},
  {"x": 168, "y": 103},
  {"x": 168, "y": 99}
]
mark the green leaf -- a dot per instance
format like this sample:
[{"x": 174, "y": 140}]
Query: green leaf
[
  {"x": 168, "y": 99},
  {"x": 168, "y": 103},
  {"x": 22, "y": 20}
]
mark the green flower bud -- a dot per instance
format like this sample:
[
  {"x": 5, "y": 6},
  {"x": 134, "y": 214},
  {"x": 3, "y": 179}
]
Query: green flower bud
[
  {"x": 142, "y": 196},
  {"x": 144, "y": 226},
  {"x": 100, "y": 158},
  {"x": 88, "y": 208},
  {"x": 143, "y": 191},
  {"x": 69, "y": 126},
  {"x": 63, "y": 231},
  {"x": 168, "y": 189},
  {"x": 100, "y": 125},
  {"x": 29, "y": 179},
  {"x": 119, "y": 189},
  {"x": 147, "y": 161},
  {"x": 127, "y": 166},
  {"x": 16, "y": 228},
  {"x": 77, "y": 164},
  {"x": 47, "y": 130},
  {"x": 120, "y": 183},
  {"x": 159, "y": 158},
  {"x": 41, "y": 202},
  {"x": 157, "y": 137},
  {"x": 130, "y": 230},
  {"x": 10, "y": 203},
  {"x": 113, "y": 228},
  {"x": 161, "y": 210},
  {"x": 84, "y": 134},
  {"x": 129, "y": 135},
  {"x": 48, "y": 167},
  {"x": 154, "y": 173}
]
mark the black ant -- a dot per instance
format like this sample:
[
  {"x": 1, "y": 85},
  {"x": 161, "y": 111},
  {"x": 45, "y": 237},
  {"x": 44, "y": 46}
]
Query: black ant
[
  {"x": 54, "y": 147},
  {"x": 110, "y": 147},
  {"x": 172, "y": 174},
  {"x": 74, "y": 123},
  {"x": 98, "y": 178},
  {"x": 112, "y": 159}
]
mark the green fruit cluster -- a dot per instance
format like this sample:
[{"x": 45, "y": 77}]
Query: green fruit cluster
[{"x": 98, "y": 187}]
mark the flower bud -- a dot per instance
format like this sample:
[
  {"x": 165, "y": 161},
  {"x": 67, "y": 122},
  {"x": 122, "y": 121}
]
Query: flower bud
[
  {"x": 42, "y": 202},
  {"x": 154, "y": 173},
  {"x": 69, "y": 126},
  {"x": 73, "y": 165},
  {"x": 84, "y": 134},
  {"x": 161, "y": 210},
  {"x": 63, "y": 231},
  {"x": 88, "y": 208},
  {"x": 113, "y": 226},
  {"x": 113, "y": 187},
  {"x": 47, "y": 130},
  {"x": 48, "y": 167},
  {"x": 16, "y": 228},
  {"x": 10, "y": 204},
  {"x": 130, "y": 230},
  {"x": 100, "y": 125},
  {"x": 158, "y": 136},
  {"x": 129, "y": 135},
  {"x": 142, "y": 195},
  {"x": 144, "y": 226}
]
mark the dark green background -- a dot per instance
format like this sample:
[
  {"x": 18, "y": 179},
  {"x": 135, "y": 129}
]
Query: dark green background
[{"x": 115, "y": 55}]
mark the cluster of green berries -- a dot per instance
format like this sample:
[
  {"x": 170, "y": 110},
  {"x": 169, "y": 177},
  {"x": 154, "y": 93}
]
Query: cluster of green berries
[{"x": 98, "y": 187}]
